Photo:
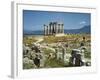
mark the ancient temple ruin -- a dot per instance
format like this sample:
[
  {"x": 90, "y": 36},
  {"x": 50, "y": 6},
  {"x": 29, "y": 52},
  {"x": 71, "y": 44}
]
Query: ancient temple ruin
[{"x": 54, "y": 28}]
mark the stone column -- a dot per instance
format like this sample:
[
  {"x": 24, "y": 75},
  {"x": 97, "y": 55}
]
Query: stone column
[
  {"x": 58, "y": 28},
  {"x": 47, "y": 30},
  {"x": 54, "y": 27},
  {"x": 63, "y": 28},
  {"x": 44, "y": 29},
  {"x": 51, "y": 28}
]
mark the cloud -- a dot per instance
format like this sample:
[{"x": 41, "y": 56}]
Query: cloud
[{"x": 82, "y": 22}]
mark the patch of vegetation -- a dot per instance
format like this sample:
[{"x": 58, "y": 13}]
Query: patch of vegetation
[
  {"x": 48, "y": 51},
  {"x": 87, "y": 54},
  {"x": 54, "y": 63},
  {"x": 29, "y": 40},
  {"x": 27, "y": 66}
]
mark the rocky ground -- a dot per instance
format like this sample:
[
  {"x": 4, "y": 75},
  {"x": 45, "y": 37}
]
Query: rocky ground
[{"x": 53, "y": 52}]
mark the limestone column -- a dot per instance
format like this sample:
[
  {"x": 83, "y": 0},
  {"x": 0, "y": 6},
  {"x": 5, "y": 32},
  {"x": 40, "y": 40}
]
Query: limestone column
[
  {"x": 58, "y": 28},
  {"x": 47, "y": 31},
  {"x": 54, "y": 27},
  {"x": 63, "y": 28},
  {"x": 49, "y": 28},
  {"x": 44, "y": 29}
]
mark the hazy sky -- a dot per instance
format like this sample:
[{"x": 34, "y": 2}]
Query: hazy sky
[{"x": 34, "y": 20}]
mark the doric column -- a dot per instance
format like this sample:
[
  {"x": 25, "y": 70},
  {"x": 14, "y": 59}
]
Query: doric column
[
  {"x": 44, "y": 29},
  {"x": 54, "y": 27},
  {"x": 51, "y": 28},
  {"x": 58, "y": 28},
  {"x": 47, "y": 31},
  {"x": 63, "y": 28}
]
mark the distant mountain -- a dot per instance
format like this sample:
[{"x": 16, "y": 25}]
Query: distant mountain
[{"x": 85, "y": 29}]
